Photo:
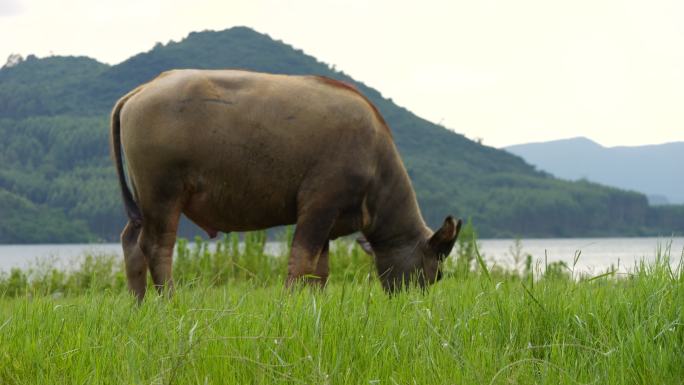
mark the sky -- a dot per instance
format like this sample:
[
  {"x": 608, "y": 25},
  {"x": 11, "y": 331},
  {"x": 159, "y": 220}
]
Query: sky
[{"x": 501, "y": 71}]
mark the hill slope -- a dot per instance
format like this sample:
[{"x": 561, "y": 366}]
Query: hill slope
[
  {"x": 54, "y": 118},
  {"x": 655, "y": 170}
]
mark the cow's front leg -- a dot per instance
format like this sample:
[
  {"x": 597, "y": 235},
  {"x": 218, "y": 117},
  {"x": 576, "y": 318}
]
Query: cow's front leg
[
  {"x": 322, "y": 266},
  {"x": 309, "y": 243}
]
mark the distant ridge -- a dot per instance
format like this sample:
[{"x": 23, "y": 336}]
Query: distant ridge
[{"x": 654, "y": 170}]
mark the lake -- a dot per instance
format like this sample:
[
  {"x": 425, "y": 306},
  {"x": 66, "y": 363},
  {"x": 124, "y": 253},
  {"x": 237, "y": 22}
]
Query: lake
[{"x": 597, "y": 254}]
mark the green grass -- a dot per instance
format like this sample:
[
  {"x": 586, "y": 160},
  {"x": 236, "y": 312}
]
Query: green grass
[{"x": 232, "y": 322}]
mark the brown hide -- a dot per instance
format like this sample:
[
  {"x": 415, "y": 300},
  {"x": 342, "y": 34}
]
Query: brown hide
[{"x": 240, "y": 151}]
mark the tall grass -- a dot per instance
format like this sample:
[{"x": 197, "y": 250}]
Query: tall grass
[{"x": 232, "y": 322}]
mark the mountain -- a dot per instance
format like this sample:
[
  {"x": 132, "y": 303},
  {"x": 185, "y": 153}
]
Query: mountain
[
  {"x": 654, "y": 170},
  {"x": 54, "y": 115}
]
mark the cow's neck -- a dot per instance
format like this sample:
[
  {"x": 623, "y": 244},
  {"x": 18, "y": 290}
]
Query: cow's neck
[{"x": 396, "y": 222}]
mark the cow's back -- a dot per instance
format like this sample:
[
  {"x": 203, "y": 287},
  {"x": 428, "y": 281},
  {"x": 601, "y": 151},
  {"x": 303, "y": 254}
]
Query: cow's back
[{"x": 240, "y": 146}]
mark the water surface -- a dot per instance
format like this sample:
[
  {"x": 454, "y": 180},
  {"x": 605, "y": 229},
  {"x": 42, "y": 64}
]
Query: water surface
[{"x": 596, "y": 254}]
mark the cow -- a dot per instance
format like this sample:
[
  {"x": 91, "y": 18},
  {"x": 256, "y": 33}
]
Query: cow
[{"x": 240, "y": 151}]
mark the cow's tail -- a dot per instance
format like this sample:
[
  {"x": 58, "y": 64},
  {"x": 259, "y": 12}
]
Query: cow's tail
[{"x": 132, "y": 209}]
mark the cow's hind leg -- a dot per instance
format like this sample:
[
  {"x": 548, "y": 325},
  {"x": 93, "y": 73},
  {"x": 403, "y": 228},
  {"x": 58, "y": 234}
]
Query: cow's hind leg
[
  {"x": 309, "y": 243},
  {"x": 157, "y": 241},
  {"x": 136, "y": 265}
]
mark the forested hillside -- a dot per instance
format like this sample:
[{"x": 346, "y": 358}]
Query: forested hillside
[{"x": 57, "y": 182}]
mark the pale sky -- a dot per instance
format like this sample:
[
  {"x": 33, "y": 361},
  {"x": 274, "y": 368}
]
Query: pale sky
[{"x": 501, "y": 70}]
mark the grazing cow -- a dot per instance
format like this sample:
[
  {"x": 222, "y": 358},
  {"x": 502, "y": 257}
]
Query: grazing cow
[{"x": 241, "y": 151}]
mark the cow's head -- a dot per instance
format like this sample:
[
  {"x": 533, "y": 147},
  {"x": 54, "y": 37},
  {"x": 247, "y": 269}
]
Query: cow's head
[{"x": 419, "y": 262}]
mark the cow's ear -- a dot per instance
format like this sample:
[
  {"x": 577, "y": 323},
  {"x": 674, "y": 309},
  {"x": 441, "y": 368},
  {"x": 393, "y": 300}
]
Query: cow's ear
[
  {"x": 443, "y": 240},
  {"x": 365, "y": 246}
]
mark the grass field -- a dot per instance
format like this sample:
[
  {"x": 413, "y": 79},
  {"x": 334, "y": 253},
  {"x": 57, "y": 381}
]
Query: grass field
[{"x": 232, "y": 322}]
